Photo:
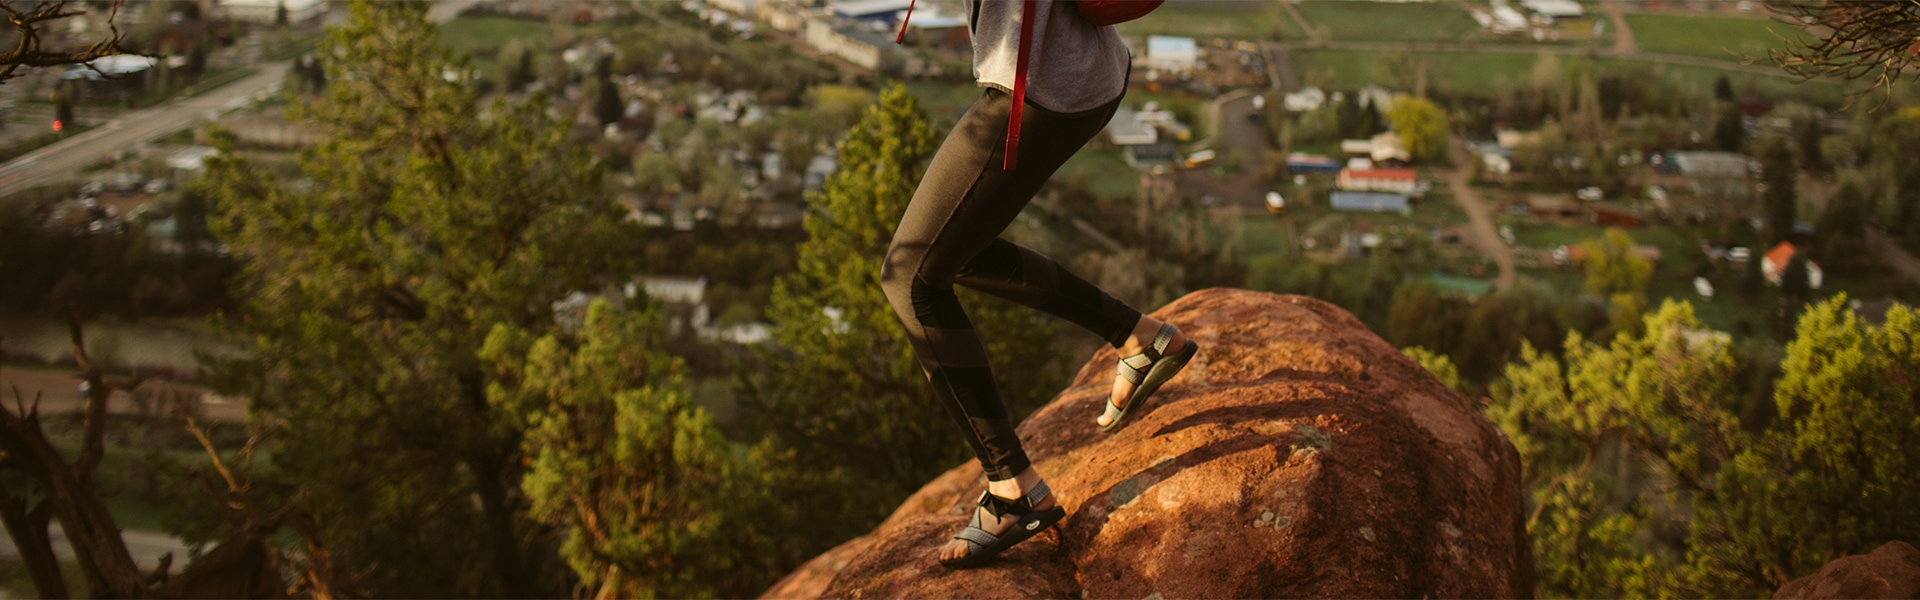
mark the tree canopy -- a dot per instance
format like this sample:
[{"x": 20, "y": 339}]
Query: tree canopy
[
  {"x": 1421, "y": 125},
  {"x": 368, "y": 292}
]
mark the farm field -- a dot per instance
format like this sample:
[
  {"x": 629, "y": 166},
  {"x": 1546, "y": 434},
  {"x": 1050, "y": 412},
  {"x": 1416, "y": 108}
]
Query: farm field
[
  {"x": 1234, "y": 20},
  {"x": 1382, "y": 22},
  {"x": 482, "y": 37},
  {"x": 1353, "y": 69},
  {"x": 1721, "y": 38}
]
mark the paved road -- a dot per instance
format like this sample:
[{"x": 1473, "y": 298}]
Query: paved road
[
  {"x": 1480, "y": 216},
  {"x": 1279, "y": 69},
  {"x": 63, "y": 161}
]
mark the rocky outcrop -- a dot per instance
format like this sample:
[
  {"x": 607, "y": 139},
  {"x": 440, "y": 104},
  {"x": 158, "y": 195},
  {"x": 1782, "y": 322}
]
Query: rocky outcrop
[
  {"x": 1298, "y": 456},
  {"x": 1890, "y": 571}
]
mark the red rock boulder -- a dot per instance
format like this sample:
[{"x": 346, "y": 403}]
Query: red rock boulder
[
  {"x": 1298, "y": 456},
  {"x": 1890, "y": 571}
]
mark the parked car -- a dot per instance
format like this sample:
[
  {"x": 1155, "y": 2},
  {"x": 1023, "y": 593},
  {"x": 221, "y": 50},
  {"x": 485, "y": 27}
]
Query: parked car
[{"x": 127, "y": 183}]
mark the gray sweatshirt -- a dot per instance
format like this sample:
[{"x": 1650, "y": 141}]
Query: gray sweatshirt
[{"x": 1072, "y": 66}]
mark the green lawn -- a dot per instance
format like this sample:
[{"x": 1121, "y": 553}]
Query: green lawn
[
  {"x": 1234, "y": 20},
  {"x": 943, "y": 99},
  {"x": 1349, "y": 21},
  {"x": 1497, "y": 71},
  {"x": 1108, "y": 173},
  {"x": 1483, "y": 71},
  {"x": 1729, "y": 39},
  {"x": 1783, "y": 86},
  {"x": 482, "y": 37},
  {"x": 1186, "y": 108}
]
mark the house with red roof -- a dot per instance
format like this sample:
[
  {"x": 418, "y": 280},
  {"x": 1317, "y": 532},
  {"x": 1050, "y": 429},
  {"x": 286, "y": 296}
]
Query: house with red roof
[
  {"x": 1399, "y": 181},
  {"x": 1774, "y": 263}
]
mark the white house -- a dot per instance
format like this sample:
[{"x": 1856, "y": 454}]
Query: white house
[
  {"x": 1126, "y": 128},
  {"x": 262, "y": 11},
  {"x": 853, "y": 44},
  {"x": 1307, "y": 99},
  {"x": 1169, "y": 53},
  {"x": 1554, "y": 9},
  {"x": 1381, "y": 148},
  {"x": 883, "y": 11}
]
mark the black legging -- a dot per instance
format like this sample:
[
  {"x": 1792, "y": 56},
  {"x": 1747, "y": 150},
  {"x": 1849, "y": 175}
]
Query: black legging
[{"x": 949, "y": 235}]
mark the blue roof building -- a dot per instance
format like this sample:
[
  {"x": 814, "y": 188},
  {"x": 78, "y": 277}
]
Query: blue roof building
[{"x": 1369, "y": 202}]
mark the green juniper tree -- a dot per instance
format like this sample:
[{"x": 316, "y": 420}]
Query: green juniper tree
[
  {"x": 1782, "y": 179},
  {"x": 649, "y": 493},
  {"x": 1617, "y": 437},
  {"x": 367, "y": 296},
  {"x": 843, "y": 400}
]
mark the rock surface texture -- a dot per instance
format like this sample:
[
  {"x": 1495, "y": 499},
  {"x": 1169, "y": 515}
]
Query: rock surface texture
[
  {"x": 1299, "y": 455},
  {"x": 1890, "y": 571}
]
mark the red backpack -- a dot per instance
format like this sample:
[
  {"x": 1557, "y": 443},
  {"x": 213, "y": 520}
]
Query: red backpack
[
  {"x": 1098, "y": 12},
  {"x": 1108, "y": 12}
]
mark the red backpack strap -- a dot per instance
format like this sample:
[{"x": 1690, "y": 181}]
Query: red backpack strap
[
  {"x": 1019, "y": 83},
  {"x": 903, "y": 23}
]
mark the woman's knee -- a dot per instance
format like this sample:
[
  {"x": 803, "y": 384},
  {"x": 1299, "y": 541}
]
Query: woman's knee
[{"x": 897, "y": 271}]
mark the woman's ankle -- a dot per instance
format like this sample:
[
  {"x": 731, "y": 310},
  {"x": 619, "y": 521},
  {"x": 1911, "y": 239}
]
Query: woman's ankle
[{"x": 1016, "y": 486}]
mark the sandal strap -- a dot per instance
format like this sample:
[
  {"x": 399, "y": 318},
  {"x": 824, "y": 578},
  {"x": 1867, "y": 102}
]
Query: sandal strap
[
  {"x": 1165, "y": 337},
  {"x": 1001, "y": 507},
  {"x": 1037, "y": 495},
  {"x": 977, "y": 536},
  {"x": 1134, "y": 368},
  {"x": 1133, "y": 375}
]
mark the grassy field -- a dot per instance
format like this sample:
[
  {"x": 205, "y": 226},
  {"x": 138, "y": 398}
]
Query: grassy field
[
  {"x": 1379, "y": 22},
  {"x": 1783, "y": 86},
  {"x": 943, "y": 100},
  {"x": 1107, "y": 172},
  {"x": 1234, "y": 20},
  {"x": 1495, "y": 71},
  {"x": 1729, "y": 39},
  {"x": 1353, "y": 69},
  {"x": 482, "y": 37}
]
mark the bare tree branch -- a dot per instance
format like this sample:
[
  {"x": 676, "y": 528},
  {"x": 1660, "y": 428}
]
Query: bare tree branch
[
  {"x": 1873, "y": 40},
  {"x": 28, "y": 24}
]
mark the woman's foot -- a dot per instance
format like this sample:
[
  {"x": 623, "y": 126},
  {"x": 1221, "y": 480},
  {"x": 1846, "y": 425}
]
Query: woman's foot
[
  {"x": 1142, "y": 339},
  {"x": 1010, "y": 490}
]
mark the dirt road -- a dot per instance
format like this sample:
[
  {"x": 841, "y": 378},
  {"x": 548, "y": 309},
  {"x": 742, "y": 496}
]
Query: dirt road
[
  {"x": 1623, "y": 42},
  {"x": 1480, "y": 216},
  {"x": 1893, "y": 256}
]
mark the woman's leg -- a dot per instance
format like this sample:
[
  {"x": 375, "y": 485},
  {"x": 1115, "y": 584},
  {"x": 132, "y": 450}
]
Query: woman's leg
[{"x": 961, "y": 206}]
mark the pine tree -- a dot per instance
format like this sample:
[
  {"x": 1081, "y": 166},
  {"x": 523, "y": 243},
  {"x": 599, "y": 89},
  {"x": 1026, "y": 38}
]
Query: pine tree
[
  {"x": 196, "y": 60},
  {"x": 848, "y": 406},
  {"x": 516, "y": 60},
  {"x": 63, "y": 106},
  {"x": 1729, "y": 132},
  {"x": 1810, "y": 133},
  {"x": 1842, "y": 230},
  {"x": 1782, "y": 179},
  {"x": 369, "y": 293},
  {"x": 650, "y": 494},
  {"x": 1722, "y": 89},
  {"x": 606, "y": 103}
]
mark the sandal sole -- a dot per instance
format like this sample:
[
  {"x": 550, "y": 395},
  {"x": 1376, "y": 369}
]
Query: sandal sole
[
  {"x": 1025, "y": 529},
  {"x": 1158, "y": 374}
]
